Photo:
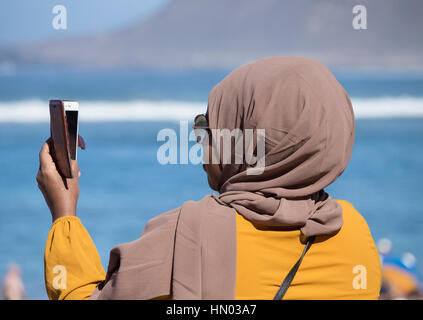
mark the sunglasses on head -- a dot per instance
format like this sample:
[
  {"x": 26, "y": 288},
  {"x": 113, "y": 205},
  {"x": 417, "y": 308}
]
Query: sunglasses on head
[{"x": 201, "y": 127}]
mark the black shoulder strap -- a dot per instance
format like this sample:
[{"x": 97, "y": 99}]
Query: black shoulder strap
[{"x": 291, "y": 274}]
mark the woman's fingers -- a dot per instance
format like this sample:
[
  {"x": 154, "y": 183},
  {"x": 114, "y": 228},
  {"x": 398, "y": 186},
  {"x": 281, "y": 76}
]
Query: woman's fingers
[
  {"x": 60, "y": 194},
  {"x": 45, "y": 158},
  {"x": 75, "y": 168},
  {"x": 47, "y": 163}
]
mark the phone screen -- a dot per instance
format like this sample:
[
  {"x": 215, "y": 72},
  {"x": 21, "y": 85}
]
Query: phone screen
[{"x": 72, "y": 120}]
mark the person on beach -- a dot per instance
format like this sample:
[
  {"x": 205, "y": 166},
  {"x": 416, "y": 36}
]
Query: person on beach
[
  {"x": 259, "y": 230},
  {"x": 13, "y": 287},
  {"x": 400, "y": 275}
]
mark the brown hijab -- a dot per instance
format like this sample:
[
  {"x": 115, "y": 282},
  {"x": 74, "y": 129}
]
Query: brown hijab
[
  {"x": 309, "y": 133},
  {"x": 190, "y": 252}
]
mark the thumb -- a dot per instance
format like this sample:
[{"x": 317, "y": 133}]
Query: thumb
[{"x": 75, "y": 169}]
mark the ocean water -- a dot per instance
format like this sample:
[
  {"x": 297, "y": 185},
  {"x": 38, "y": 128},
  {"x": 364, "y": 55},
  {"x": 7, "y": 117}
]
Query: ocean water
[{"x": 123, "y": 185}]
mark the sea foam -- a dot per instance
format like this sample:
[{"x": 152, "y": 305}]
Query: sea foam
[{"x": 143, "y": 110}]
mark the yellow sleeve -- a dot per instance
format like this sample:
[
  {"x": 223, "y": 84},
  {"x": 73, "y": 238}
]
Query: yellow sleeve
[{"x": 72, "y": 266}]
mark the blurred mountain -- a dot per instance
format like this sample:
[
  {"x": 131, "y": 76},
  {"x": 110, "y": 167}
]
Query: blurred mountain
[{"x": 224, "y": 34}]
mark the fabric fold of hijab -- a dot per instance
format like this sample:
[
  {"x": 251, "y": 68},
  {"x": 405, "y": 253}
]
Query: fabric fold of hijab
[{"x": 309, "y": 133}]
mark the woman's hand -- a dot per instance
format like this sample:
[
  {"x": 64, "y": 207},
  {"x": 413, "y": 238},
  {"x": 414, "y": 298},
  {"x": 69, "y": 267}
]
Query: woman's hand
[{"x": 61, "y": 194}]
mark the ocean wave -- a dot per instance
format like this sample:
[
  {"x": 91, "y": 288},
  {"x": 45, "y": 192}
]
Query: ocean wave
[
  {"x": 104, "y": 111},
  {"x": 142, "y": 110}
]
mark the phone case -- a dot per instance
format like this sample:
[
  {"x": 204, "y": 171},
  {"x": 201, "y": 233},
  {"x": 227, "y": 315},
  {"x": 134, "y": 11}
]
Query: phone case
[{"x": 59, "y": 145}]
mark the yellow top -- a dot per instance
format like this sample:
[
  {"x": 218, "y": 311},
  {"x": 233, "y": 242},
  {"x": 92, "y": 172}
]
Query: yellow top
[{"x": 344, "y": 266}]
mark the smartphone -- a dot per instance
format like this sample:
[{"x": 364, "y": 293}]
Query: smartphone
[
  {"x": 64, "y": 134},
  {"x": 71, "y": 115}
]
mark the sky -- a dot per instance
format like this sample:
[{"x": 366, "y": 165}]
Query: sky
[{"x": 25, "y": 21}]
